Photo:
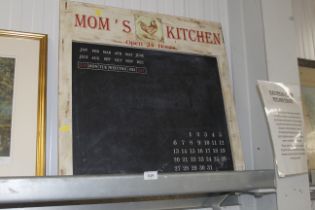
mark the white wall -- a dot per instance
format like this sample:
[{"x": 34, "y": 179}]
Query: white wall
[
  {"x": 281, "y": 58},
  {"x": 248, "y": 64},
  {"x": 304, "y": 16}
]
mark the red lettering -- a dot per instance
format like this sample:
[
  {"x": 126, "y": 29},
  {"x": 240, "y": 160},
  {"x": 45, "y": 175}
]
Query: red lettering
[
  {"x": 178, "y": 33},
  {"x": 127, "y": 28},
  {"x": 217, "y": 39},
  {"x": 200, "y": 36},
  {"x": 92, "y": 22},
  {"x": 193, "y": 35},
  {"x": 134, "y": 43},
  {"x": 80, "y": 22},
  {"x": 169, "y": 31},
  {"x": 208, "y": 38},
  {"x": 184, "y": 32},
  {"x": 103, "y": 25},
  {"x": 190, "y": 35}
]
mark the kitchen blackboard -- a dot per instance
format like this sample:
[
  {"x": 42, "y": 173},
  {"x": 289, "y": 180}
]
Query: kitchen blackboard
[{"x": 137, "y": 110}]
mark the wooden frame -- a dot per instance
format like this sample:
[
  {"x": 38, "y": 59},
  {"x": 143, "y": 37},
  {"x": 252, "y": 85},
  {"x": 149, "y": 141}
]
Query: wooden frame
[
  {"x": 87, "y": 23},
  {"x": 28, "y": 116},
  {"x": 307, "y": 79}
]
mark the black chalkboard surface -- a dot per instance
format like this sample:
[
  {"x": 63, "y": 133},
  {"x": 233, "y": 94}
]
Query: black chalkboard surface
[{"x": 137, "y": 110}]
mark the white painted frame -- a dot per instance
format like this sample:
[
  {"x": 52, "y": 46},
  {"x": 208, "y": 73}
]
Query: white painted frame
[{"x": 70, "y": 30}]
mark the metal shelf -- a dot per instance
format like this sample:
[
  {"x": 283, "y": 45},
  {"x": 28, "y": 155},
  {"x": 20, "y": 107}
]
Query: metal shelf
[{"x": 26, "y": 190}]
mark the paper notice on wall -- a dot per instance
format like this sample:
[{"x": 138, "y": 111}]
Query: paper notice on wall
[{"x": 283, "y": 109}]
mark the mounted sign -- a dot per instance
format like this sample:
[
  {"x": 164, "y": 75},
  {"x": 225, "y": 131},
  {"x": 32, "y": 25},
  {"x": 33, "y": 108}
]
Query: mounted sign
[
  {"x": 282, "y": 104},
  {"x": 143, "y": 92}
]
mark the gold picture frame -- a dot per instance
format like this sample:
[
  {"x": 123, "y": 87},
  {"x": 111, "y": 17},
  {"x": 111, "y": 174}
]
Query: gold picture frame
[{"x": 27, "y": 135}]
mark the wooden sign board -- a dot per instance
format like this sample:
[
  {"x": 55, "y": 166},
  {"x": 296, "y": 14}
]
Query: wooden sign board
[{"x": 143, "y": 92}]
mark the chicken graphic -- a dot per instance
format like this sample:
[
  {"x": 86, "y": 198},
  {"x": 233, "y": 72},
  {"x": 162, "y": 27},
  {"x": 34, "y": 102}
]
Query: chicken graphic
[
  {"x": 151, "y": 29},
  {"x": 148, "y": 28}
]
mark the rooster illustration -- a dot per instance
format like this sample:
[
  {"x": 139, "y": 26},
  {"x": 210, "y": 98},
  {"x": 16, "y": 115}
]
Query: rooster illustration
[{"x": 149, "y": 29}]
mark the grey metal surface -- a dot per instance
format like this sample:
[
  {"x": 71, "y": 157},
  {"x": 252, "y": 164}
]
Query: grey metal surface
[
  {"x": 312, "y": 189},
  {"x": 312, "y": 177},
  {"x": 191, "y": 203},
  {"x": 76, "y": 188}
]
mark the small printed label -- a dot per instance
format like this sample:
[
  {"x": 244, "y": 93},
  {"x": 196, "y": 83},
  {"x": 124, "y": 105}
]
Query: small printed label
[{"x": 150, "y": 175}]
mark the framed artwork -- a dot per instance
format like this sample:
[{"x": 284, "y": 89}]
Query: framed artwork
[
  {"x": 307, "y": 77},
  {"x": 141, "y": 92},
  {"x": 22, "y": 103}
]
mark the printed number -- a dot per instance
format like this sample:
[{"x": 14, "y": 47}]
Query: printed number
[
  {"x": 208, "y": 159},
  {"x": 193, "y": 159},
  {"x": 177, "y": 168},
  {"x": 200, "y": 151},
  {"x": 185, "y": 168},
  {"x": 202, "y": 167},
  {"x": 222, "y": 150},
  {"x": 215, "y": 150},
  {"x": 176, "y": 151},
  {"x": 192, "y": 151},
  {"x": 205, "y": 134},
  {"x": 209, "y": 167},
  {"x": 176, "y": 159},
  {"x": 184, "y": 151},
  {"x": 185, "y": 159},
  {"x": 216, "y": 159},
  {"x": 198, "y": 134},
  {"x": 194, "y": 168},
  {"x": 190, "y": 134},
  {"x": 201, "y": 159},
  {"x": 183, "y": 142}
]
